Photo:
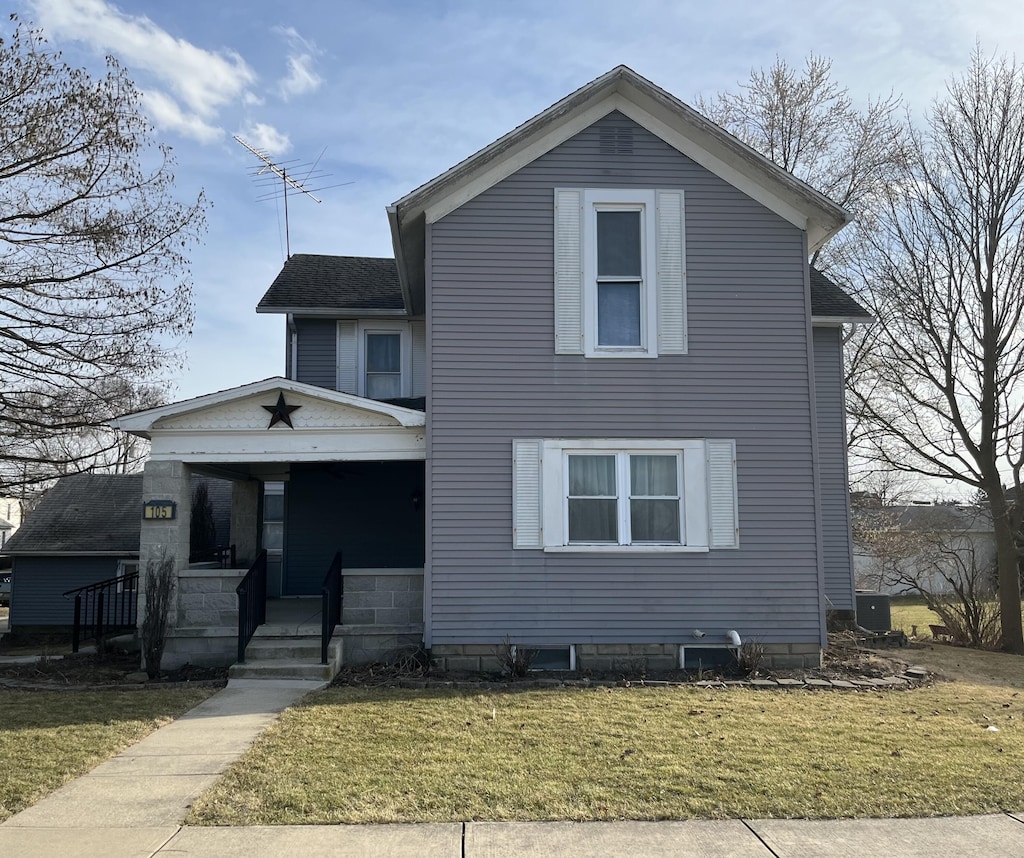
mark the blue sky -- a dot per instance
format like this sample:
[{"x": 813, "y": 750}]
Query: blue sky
[{"x": 394, "y": 93}]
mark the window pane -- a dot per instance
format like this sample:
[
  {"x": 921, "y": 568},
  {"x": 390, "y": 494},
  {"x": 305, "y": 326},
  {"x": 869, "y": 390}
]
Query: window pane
[
  {"x": 384, "y": 386},
  {"x": 654, "y": 520},
  {"x": 593, "y": 520},
  {"x": 618, "y": 244},
  {"x": 618, "y": 314},
  {"x": 383, "y": 353},
  {"x": 273, "y": 535},
  {"x": 273, "y": 507},
  {"x": 592, "y": 475},
  {"x": 653, "y": 475}
]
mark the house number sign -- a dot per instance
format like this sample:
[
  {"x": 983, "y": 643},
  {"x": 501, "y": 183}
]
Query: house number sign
[{"x": 159, "y": 510}]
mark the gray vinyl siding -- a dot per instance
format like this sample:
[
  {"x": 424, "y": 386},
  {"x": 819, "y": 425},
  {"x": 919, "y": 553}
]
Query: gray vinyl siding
[
  {"x": 833, "y": 478},
  {"x": 317, "y": 352},
  {"x": 495, "y": 377},
  {"x": 38, "y": 582},
  {"x": 364, "y": 510}
]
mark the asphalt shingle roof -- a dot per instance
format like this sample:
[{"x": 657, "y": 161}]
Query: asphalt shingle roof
[
  {"x": 314, "y": 281},
  {"x": 84, "y": 513},
  {"x": 828, "y": 299}
]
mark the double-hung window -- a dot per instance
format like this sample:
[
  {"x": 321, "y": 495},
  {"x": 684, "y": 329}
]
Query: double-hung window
[
  {"x": 635, "y": 495},
  {"x": 383, "y": 350},
  {"x": 619, "y": 287},
  {"x": 620, "y": 278},
  {"x": 381, "y": 359},
  {"x": 624, "y": 498}
]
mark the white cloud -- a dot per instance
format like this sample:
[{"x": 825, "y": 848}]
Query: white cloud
[
  {"x": 266, "y": 138},
  {"x": 202, "y": 82},
  {"x": 167, "y": 113},
  {"x": 302, "y": 76}
]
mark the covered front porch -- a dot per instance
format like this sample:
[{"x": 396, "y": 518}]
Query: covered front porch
[{"x": 314, "y": 475}]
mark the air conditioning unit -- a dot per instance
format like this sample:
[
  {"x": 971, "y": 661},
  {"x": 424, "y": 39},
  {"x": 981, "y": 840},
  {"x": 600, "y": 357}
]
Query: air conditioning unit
[{"x": 873, "y": 611}]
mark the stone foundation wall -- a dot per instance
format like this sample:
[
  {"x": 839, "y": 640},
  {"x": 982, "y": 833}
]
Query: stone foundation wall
[
  {"x": 615, "y": 658},
  {"x": 383, "y": 597}
]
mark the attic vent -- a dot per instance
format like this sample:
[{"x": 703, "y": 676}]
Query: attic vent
[{"x": 616, "y": 141}]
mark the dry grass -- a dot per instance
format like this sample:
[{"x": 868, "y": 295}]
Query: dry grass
[
  {"x": 49, "y": 738},
  {"x": 390, "y": 755}
]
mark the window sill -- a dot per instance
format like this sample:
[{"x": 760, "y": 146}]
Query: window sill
[
  {"x": 624, "y": 353},
  {"x": 626, "y": 549}
]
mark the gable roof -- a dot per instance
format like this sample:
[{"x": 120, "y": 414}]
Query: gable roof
[
  {"x": 84, "y": 514},
  {"x": 316, "y": 284},
  {"x": 831, "y": 302},
  {"x": 656, "y": 110}
]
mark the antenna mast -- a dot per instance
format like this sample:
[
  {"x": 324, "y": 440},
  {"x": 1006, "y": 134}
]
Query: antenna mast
[{"x": 287, "y": 182}]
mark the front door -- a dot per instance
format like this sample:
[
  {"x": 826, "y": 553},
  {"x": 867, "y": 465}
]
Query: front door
[{"x": 273, "y": 535}]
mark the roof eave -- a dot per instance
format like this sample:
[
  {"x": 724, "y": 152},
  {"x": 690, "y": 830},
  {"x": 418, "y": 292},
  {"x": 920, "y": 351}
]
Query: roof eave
[
  {"x": 339, "y": 312},
  {"x": 843, "y": 320}
]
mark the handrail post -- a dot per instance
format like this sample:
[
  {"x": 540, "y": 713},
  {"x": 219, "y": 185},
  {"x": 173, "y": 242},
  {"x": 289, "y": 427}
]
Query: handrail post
[
  {"x": 243, "y": 617},
  {"x": 76, "y": 634}
]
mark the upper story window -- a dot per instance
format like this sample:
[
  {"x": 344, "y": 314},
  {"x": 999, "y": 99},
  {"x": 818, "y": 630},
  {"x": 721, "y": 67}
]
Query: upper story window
[
  {"x": 619, "y": 291},
  {"x": 620, "y": 280},
  {"x": 383, "y": 364},
  {"x": 381, "y": 359}
]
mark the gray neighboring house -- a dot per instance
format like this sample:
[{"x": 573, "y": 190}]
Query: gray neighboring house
[
  {"x": 594, "y": 406},
  {"x": 941, "y": 540},
  {"x": 84, "y": 530}
]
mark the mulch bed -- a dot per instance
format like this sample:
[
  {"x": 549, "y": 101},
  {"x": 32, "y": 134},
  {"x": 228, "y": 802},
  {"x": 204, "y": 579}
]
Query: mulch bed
[
  {"x": 844, "y": 661},
  {"x": 88, "y": 670}
]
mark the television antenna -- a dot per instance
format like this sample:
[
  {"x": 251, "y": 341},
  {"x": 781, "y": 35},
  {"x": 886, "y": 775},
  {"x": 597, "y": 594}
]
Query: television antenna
[{"x": 270, "y": 171}]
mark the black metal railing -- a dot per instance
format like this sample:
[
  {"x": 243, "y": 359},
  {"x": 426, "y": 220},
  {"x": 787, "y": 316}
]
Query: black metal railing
[
  {"x": 106, "y": 607},
  {"x": 331, "y": 596},
  {"x": 252, "y": 603}
]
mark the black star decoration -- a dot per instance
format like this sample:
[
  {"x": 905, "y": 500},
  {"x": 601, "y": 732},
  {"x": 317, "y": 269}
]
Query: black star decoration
[{"x": 281, "y": 413}]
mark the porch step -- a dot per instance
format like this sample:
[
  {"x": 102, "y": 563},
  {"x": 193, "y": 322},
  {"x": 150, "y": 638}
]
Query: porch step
[{"x": 288, "y": 658}]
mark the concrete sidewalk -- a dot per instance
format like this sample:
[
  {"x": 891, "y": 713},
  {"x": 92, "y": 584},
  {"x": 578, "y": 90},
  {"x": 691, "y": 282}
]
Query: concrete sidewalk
[{"x": 132, "y": 807}]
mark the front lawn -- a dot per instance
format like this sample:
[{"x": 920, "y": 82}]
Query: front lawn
[
  {"x": 48, "y": 738},
  {"x": 437, "y": 755}
]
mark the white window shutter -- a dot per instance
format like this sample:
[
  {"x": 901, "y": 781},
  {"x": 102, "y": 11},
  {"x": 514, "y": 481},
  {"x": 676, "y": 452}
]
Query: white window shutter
[
  {"x": 419, "y": 358},
  {"x": 671, "y": 274},
  {"x": 568, "y": 271},
  {"x": 723, "y": 518},
  {"x": 526, "y": 493},
  {"x": 348, "y": 360}
]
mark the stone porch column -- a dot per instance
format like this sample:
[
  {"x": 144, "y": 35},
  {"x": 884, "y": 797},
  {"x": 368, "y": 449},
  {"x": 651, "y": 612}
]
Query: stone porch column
[{"x": 166, "y": 481}]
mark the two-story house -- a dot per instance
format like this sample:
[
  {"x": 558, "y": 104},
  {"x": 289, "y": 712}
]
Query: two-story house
[{"x": 593, "y": 406}]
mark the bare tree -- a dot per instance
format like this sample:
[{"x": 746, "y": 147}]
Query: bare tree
[
  {"x": 94, "y": 291},
  {"x": 807, "y": 124},
  {"x": 942, "y": 554},
  {"x": 941, "y": 392}
]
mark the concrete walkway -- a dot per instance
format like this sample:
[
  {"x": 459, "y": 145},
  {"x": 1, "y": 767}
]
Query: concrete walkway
[{"x": 132, "y": 807}]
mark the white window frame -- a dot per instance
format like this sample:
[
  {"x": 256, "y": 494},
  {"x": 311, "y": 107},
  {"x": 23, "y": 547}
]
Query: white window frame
[
  {"x": 693, "y": 495},
  {"x": 405, "y": 334},
  {"x": 624, "y": 496},
  {"x": 615, "y": 199},
  {"x": 571, "y": 648}
]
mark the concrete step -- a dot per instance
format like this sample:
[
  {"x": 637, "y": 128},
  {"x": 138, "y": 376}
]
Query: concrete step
[
  {"x": 289, "y": 658},
  {"x": 288, "y": 648},
  {"x": 283, "y": 669}
]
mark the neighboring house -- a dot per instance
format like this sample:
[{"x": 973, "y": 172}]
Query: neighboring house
[
  {"x": 84, "y": 530},
  {"x": 594, "y": 406},
  {"x": 6, "y": 530},
  {"x": 931, "y": 544}
]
